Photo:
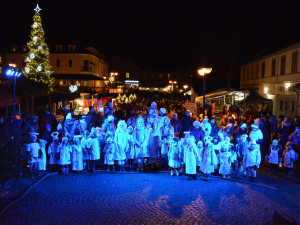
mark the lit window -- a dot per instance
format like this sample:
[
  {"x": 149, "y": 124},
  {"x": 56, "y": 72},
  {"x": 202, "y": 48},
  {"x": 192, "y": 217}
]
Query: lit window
[
  {"x": 0, "y": 59},
  {"x": 61, "y": 82},
  {"x": 127, "y": 75},
  {"x": 0, "y": 70},
  {"x": 85, "y": 83}
]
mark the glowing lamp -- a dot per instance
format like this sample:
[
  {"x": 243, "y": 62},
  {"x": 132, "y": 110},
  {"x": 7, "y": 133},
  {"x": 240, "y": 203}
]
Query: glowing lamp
[{"x": 203, "y": 71}]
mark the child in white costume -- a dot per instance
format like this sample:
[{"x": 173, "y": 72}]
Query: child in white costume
[
  {"x": 130, "y": 151},
  {"x": 43, "y": 158},
  {"x": 64, "y": 149},
  {"x": 140, "y": 139},
  {"x": 154, "y": 143},
  {"x": 121, "y": 142},
  {"x": 109, "y": 151},
  {"x": 274, "y": 156},
  {"x": 289, "y": 158},
  {"x": 252, "y": 160},
  {"x": 77, "y": 159},
  {"x": 85, "y": 153},
  {"x": 93, "y": 148},
  {"x": 225, "y": 161},
  {"x": 190, "y": 157},
  {"x": 53, "y": 151},
  {"x": 174, "y": 157},
  {"x": 209, "y": 159},
  {"x": 33, "y": 150},
  {"x": 241, "y": 147},
  {"x": 200, "y": 149},
  {"x": 165, "y": 145}
]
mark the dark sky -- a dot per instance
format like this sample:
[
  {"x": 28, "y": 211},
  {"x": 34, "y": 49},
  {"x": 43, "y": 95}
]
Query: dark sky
[{"x": 165, "y": 35}]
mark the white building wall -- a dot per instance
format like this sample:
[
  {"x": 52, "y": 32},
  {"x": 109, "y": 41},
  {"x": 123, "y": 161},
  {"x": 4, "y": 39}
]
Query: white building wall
[{"x": 278, "y": 87}]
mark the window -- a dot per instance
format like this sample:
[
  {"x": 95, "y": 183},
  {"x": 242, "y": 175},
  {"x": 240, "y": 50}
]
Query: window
[
  {"x": 169, "y": 76},
  {"x": 13, "y": 60},
  {"x": 0, "y": 70},
  {"x": 252, "y": 71},
  {"x": 70, "y": 63},
  {"x": 244, "y": 73},
  {"x": 248, "y": 73},
  {"x": 64, "y": 82},
  {"x": 71, "y": 48},
  {"x": 273, "y": 67},
  {"x": 0, "y": 59},
  {"x": 61, "y": 82},
  {"x": 257, "y": 71},
  {"x": 281, "y": 105},
  {"x": 263, "y": 66},
  {"x": 295, "y": 62},
  {"x": 160, "y": 76},
  {"x": 281, "y": 89},
  {"x": 293, "y": 107},
  {"x": 58, "y": 63},
  {"x": 282, "y": 65},
  {"x": 286, "y": 105},
  {"x": 127, "y": 75},
  {"x": 58, "y": 48},
  {"x": 85, "y": 83}
]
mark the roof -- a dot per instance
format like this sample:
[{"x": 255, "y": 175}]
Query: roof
[
  {"x": 76, "y": 77},
  {"x": 255, "y": 97},
  {"x": 219, "y": 93}
]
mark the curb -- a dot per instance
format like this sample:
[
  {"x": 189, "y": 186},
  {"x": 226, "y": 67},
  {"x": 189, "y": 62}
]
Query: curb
[{"x": 25, "y": 193}]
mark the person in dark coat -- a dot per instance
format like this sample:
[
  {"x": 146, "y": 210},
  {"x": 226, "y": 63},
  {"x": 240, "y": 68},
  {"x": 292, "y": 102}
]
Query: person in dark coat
[
  {"x": 285, "y": 130},
  {"x": 187, "y": 122},
  {"x": 214, "y": 128},
  {"x": 176, "y": 124},
  {"x": 266, "y": 140},
  {"x": 197, "y": 131}
]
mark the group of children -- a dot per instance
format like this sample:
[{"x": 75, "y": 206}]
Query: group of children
[{"x": 158, "y": 145}]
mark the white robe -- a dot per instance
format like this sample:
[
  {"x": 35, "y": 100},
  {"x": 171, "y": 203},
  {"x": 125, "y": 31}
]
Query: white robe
[
  {"x": 209, "y": 160},
  {"x": 43, "y": 160},
  {"x": 52, "y": 151},
  {"x": 190, "y": 155},
  {"x": 225, "y": 161},
  {"x": 77, "y": 162},
  {"x": 33, "y": 148},
  {"x": 93, "y": 143},
  {"x": 121, "y": 142},
  {"x": 65, "y": 154}
]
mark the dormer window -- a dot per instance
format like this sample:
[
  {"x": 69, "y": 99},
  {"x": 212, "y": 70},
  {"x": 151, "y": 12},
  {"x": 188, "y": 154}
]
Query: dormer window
[
  {"x": 58, "y": 48},
  {"x": 13, "y": 48},
  {"x": 71, "y": 48}
]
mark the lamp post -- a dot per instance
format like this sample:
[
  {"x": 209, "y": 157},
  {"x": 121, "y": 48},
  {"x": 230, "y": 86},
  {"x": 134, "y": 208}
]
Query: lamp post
[
  {"x": 112, "y": 78},
  {"x": 12, "y": 71},
  {"x": 202, "y": 72},
  {"x": 185, "y": 87},
  {"x": 172, "y": 84}
]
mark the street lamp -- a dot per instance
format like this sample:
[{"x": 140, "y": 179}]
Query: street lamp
[
  {"x": 172, "y": 84},
  {"x": 202, "y": 72},
  {"x": 185, "y": 87},
  {"x": 112, "y": 78},
  {"x": 12, "y": 71}
]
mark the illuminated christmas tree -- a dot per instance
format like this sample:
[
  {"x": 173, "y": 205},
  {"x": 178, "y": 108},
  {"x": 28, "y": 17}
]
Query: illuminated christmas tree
[{"x": 37, "y": 59}]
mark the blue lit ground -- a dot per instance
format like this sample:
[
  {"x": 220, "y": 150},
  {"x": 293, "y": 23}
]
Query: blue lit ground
[{"x": 149, "y": 198}]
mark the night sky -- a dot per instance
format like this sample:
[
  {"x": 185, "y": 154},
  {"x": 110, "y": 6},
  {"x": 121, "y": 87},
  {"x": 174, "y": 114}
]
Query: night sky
[{"x": 161, "y": 35}]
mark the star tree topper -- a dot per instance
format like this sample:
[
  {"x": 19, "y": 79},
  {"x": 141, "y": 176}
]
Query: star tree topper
[{"x": 37, "y": 8}]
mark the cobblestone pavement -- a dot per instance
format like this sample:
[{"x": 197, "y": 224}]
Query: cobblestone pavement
[{"x": 147, "y": 198}]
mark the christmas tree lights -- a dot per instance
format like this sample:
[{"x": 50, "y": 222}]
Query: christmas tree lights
[{"x": 37, "y": 59}]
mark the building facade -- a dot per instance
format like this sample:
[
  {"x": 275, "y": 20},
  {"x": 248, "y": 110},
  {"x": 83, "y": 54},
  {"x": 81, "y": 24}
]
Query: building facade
[
  {"x": 71, "y": 65},
  {"x": 274, "y": 77}
]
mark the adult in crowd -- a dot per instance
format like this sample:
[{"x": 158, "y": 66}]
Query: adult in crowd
[
  {"x": 214, "y": 127},
  {"x": 187, "y": 122},
  {"x": 285, "y": 130},
  {"x": 176, "y": 124}
]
